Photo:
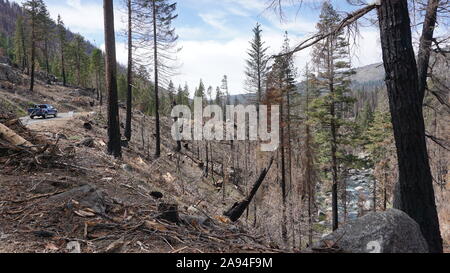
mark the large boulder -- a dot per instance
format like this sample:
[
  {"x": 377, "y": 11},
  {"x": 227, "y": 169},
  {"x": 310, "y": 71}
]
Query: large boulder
[{"x": 392, "y": 231}]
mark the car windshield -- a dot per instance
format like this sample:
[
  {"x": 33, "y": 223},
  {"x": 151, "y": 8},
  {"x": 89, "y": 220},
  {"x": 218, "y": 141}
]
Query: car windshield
[{"x": 43, "y": 106}]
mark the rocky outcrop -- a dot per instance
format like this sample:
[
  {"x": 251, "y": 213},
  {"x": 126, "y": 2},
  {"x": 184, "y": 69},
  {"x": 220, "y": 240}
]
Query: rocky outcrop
[
  {"x": 7, "y": 73},
  {"x": 392, "y": 231}
]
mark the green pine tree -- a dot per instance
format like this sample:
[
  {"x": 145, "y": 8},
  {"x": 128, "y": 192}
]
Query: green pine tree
[
  {"x": 257, "y": 68},
  {"x": 331, "y": 110}
]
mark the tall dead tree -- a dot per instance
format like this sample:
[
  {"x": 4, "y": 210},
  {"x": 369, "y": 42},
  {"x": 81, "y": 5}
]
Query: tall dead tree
[
  {"x": 114, "y": 139},
  {"x": 415, "y": 193},
  {"x": 155, "y": 67},
  {"x": 282, "y": 81},
  {"x": 62, "y": 36},
  {"x": 154, "y": 31},
  {"x": 129, "y": 73}
]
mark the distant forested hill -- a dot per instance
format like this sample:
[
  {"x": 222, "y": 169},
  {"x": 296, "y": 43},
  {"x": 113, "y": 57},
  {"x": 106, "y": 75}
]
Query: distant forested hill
[
  {"x": 9, "y": 12},
  {"x": 367, "y": 79}
]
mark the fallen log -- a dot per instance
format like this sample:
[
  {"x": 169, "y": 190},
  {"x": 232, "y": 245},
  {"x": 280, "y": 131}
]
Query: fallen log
[
  {"x": 13, "y": 138},
  {"x": 238, "y": 209}
]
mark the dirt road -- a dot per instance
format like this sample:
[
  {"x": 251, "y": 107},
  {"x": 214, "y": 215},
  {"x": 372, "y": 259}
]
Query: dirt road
[{"x": 62, "y": 119}]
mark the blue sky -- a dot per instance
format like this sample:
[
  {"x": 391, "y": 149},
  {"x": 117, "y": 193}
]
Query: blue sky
[{"x": 214, "y": 34}]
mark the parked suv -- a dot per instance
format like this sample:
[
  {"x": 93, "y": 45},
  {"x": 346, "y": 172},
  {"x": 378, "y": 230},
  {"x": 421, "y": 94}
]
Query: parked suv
[{"x": 42, "y": 110}]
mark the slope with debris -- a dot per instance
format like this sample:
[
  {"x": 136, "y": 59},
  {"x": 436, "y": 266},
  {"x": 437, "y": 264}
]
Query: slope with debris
[{"x": 64, "y": 194}]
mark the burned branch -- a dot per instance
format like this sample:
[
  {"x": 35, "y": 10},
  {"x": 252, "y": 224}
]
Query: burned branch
[{"x": 238, "y": 209}]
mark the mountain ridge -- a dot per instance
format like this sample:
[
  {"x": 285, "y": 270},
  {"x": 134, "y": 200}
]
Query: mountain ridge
[{"x": 367, "y": 78}]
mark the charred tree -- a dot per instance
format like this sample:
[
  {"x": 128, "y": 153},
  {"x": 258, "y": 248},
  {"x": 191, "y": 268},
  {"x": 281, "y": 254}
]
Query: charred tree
[
  {"x": 238, "y": 209},
  {"x": 425, "y": 44},
  {"x": 415, "y": 194},
  {"x": 114, "y": 139},
  {"x": 62, "y": 35},
  {"x": 129, "y": 74}
]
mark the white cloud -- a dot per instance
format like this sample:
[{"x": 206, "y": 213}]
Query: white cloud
[
  {"x": 210, "y": 60},
  {"x": 368, "y": 50},
  {"x": 85, "y": 17}
]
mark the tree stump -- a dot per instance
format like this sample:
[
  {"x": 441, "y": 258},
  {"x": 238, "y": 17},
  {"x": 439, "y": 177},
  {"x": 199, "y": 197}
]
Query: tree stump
[{"x": 169, "y": 212}]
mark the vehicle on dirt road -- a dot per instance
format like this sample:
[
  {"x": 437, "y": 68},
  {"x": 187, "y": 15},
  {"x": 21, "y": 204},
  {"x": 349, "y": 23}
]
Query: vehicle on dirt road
[{"x": 42, "y": 110}]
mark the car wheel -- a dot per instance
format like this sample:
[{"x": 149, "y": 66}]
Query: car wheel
[
  {"x": 44, "y": 116},
  {"x": 55, "y": 115},
  {"x": 31, "y": 117}
]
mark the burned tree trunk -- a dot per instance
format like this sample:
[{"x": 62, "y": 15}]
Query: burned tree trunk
[
  {"x": 175, "y": 120},
  {"x": 156, "y": 68},
  {"x": 238, "y": 209},
  {"x": 114, "y": 143},
  {"x": 206, "y": 170},
  {"x": 415, "y": 193},
  {"x": 129, "y": 115},
  {"x": 284, "y": 232}
]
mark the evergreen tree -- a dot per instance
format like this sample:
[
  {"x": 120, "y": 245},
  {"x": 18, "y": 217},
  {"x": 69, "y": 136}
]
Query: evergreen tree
[
  {"x": 20, "y": 48},
  {"x": 219, "y": 95},
  {"x": 6, "y": 48},
  {"x": 171, "y": 91},
  {"x": 366, "y": 117},
  {"x": 20, "y": 42},
  {"x": 97, "y": 68},
  {"x": 200, "y": 91},
  {"x": 183, "y": 95},
  {"x": 47, "y": 37},
  {"x": 122, "y": 87},
  {"x": 78, "y": 60},
  {"x": 182, "y": 98},
  {"x": 36, "y": 12},
  {"x": 308, "y": 156},
  {"x": 331, "y": 57},
  {"x": 62, "y": 37},
  {"x": 256, "y": 70}
]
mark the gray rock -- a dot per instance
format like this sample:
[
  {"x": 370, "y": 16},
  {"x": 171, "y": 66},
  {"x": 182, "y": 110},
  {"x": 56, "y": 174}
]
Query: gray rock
[
  {"x": 392, "y": 231},
  {"x": 87, "y": 196}
]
